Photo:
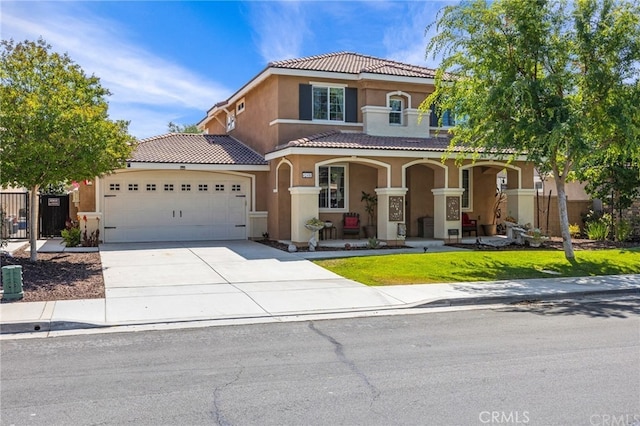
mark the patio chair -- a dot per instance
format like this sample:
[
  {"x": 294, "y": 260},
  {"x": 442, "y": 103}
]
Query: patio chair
[
  {"x": 469, "y": 225},
  {"x": 351, "y": 224}
]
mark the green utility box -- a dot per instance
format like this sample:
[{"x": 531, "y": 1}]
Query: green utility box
[{"x": 12, "y": 282}]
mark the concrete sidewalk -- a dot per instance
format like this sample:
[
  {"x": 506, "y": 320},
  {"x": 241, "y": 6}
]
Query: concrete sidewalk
[{"x": 159, "y": 283}]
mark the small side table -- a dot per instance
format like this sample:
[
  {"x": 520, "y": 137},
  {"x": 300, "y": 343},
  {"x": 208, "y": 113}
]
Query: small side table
[{"x": 329, "y": 233}]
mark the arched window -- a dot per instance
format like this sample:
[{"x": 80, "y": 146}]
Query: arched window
[{"x": 396, "y": 103}]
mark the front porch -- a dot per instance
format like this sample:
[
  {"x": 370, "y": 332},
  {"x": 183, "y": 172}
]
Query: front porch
[{"x": 422, "y": 197}]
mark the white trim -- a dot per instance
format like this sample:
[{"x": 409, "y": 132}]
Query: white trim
[
  {"x": 525, "y": 191},
  {"x": 399, "y": 112},
  {"x": 311, "y": 190},
  {"x": 355, "y": 159},
  {"x": 392, "y": 191},
  {"x": 97, "y": 193},
  {"x": 321, "y": 122},
  {"x": 326, "y": 84},
  {"x": 375, "y": 108},
  {"x": 400, "y": 93},
  {"x": 327, "y": 88},
  {"x": 231, "y": 121},
  {"x": 283, "y": 161},
  {"x": 496, "y": 163},
  {"x": 425, "y": 161},
  {"x": 447, "y": 191},
  {"x": 346, "y": 187}
]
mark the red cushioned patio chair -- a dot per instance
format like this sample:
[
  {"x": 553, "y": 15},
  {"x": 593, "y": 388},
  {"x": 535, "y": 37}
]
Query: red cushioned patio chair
[
  {"x": 469, "y": 225},
  {"x": 351, "y": 224}
]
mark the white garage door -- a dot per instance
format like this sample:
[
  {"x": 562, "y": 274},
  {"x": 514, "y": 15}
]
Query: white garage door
[{"x": 174, "y": 206}]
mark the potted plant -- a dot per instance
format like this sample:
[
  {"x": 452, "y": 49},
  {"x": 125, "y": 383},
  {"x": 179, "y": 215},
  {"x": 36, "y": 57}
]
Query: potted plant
[
  {"x": 370, "y": 203},
  {"x": 490, "y": 228},
  {"x": 314, "y": 224},
  {"x": 535, "y": 237}
]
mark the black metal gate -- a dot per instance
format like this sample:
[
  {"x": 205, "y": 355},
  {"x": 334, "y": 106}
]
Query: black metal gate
[
  {"x": 54, "y": 212},
  {"x": 14, "y": 214}
]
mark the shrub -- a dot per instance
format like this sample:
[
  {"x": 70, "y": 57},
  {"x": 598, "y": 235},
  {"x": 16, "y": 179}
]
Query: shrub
[
  {"x": 574, "y": 230},
  {"x": 623, "y": 230},
  {"x": 373, "y": 243},
  {"x": 597, "y": 230},
  {"x": 71, "y": 236}
]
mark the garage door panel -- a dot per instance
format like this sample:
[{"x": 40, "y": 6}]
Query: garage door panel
[{"x": 153, "y": 206}]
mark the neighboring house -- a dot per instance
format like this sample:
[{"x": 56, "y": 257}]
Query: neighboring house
[{"x": 303, "y": 139}]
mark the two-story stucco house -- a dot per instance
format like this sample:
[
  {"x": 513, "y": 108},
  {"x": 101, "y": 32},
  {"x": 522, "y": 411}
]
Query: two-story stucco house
[{"x": 302, "y": 139}]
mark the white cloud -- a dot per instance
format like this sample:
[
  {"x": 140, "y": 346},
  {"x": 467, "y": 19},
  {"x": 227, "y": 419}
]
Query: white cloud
[
  {"x": 406, "y": 40},
  {"x": 145, "y": 87},
  {"x": 280, "y": 29}
]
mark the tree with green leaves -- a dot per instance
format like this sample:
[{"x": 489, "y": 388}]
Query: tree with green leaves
[
  {"x": 612, "y": 179},
  {"x": 553, "y": 80},
  {"x": 54, "y": 123},
  {"x": 183, "y": 128}
]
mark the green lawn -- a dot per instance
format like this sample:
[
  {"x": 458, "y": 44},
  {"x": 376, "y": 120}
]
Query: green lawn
[{"x": 427, "y": 268}]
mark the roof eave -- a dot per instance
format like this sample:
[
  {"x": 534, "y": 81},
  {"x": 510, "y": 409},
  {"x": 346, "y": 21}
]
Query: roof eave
[
  {"x": 377, "y": 152},
  {"x": 148, "y": 165}
]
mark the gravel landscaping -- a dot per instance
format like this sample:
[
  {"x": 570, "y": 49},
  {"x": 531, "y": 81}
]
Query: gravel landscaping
[{"x": 59, "y": 276}]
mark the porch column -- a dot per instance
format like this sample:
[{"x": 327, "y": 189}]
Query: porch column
[
  {"x": 446, "y": 211},
  {"x": 521, "y": 204},
  {"x": 391, "y": 203},
  {"x": 304, "y": 206}
]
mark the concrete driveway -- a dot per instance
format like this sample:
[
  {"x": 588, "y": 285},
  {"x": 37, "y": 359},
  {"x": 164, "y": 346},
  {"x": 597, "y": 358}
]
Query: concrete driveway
[{"x": 221, "y": 279}]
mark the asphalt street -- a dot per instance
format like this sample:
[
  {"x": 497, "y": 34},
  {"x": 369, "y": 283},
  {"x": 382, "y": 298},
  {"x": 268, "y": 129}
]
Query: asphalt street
[{"x": 542, "y": 364}]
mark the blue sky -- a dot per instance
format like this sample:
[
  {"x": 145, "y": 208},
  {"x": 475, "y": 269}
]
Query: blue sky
[{"x": 172, "y": 60}]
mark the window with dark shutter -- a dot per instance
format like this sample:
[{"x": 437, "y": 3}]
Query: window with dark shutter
[
  {"x": 351, "y": 107},
  {"x": 305, "y": 102}
]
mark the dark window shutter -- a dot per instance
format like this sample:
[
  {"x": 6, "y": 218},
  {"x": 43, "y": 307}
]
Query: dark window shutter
[
  {"x": 305, "y": 102},
  {"x": 433, "y": 118},
  {"x": 351, "y": 105}
]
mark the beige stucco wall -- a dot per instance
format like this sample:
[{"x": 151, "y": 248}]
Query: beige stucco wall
[
  {"x": 574, "y": 190},
  {"x": 252, "y": 125},
  {"x": 277, "y": 97},
  {"x": 87, "y": 197}
]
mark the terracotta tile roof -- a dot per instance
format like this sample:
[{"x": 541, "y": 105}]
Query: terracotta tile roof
[
  {"x": 354, "y": 63},
  {"x": 337, "y": 139},
  {"x": 191, "y": 148}
]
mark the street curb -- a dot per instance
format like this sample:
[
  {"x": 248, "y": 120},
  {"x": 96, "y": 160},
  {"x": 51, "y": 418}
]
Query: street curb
[
  {"x": 490, "y": 300},
  {"x": 49, "y": 326},
  {"x": 45, "y": 326}
]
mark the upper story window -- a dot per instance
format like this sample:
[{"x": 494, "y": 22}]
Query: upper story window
[
  {"x": 240, "y": 106},
  {"x": 447, "y": 118},
  {"x": 231, "y": 122},
  {"x": 395, "y": 116},
  {"x": 332, "y": 103},
  {"x": 328, "y": 103},
  {"x": 331, "y": 180}
]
